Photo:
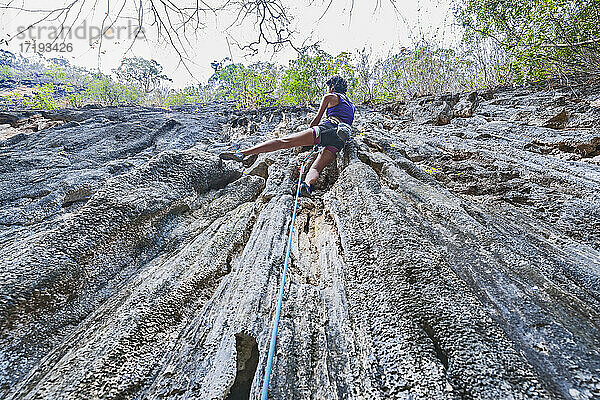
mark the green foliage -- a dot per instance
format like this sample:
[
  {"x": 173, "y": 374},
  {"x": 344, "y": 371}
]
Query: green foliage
[
  {"x": 104, "y": 90},
  {"x": 146, "y": 74},
  {"x": 303, "y": 81},
  {"x": 6, "y": 101},
  {"x": 543, "y": 37},
  {"x": 56, "y": 73},
  {"x": 6, "y": 72},
  {"x": 365, "y": 80},
  {"x": 263, "y": 83},
  {"x": 252, "y": 86},
  {"x": 424, "y": 69},
  {"x": 189, "y": 95},
  {"x": 43, "y": 98},
  {"x": 483, "y": 64},
  {"x": 76, "y": 97},
  {"x": 12, "y": 99},
  {"x": 414, "y": 72},
  {"x": 427, "y": 69}
]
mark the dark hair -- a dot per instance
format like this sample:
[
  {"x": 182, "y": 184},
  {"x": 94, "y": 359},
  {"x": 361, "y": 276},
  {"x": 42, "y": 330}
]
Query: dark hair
[{"x": 339, "y": 84}]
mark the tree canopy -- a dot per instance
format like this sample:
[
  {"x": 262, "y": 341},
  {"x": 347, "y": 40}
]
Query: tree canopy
[
  {"x": 544, "y": 37},
  {"x": 147, "y": 74}
]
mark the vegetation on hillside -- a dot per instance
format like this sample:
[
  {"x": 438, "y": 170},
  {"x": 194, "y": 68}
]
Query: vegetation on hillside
[
  {"x": 421, "y": 70},
  {"x": 504, "y": 41},
  {"x": 544, "y": 38}
]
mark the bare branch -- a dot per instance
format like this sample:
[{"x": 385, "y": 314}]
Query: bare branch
[
  {"x": 576, "y": 44},
  {"x": 175, "y": 20}
]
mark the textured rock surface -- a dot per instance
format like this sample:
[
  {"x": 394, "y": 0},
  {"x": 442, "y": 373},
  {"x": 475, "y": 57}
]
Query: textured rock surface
[{"x": 452, "y": 252}]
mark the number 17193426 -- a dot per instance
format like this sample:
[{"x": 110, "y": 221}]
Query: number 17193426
[{"x": 43, "y": 47}]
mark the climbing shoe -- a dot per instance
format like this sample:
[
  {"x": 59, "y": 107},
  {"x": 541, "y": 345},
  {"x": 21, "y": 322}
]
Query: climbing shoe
[
  {"x": 239, "y": 157},
  {"x": 249, "y": 160},
  {"x": 305, "y": 190},
  {"x": 230, "y": 155}
]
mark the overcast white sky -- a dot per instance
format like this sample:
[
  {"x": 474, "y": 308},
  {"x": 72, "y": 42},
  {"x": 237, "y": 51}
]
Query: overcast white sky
[{"x": 380, "y": 31}]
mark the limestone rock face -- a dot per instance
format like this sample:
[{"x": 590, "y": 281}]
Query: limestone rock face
[{"x": 452, "y": 251}]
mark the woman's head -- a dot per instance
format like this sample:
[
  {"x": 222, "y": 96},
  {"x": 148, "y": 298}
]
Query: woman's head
[{"x": 337, "y": 83}]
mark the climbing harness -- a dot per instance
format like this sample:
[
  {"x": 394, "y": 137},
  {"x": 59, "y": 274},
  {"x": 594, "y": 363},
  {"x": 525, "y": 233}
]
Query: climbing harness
[{"x": 265, "y": 386}]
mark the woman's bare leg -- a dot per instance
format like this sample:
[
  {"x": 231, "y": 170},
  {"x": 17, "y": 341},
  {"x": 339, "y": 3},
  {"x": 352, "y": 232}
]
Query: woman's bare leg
[
  {"x": 321, "y": 162},
  {"x": 304, "y": 138}
]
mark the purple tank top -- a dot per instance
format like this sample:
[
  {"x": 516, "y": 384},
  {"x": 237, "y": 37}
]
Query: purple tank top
[{"x": 344, "y": 110}]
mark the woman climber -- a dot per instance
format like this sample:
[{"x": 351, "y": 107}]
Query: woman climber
[{"x": 332, "y": 134}]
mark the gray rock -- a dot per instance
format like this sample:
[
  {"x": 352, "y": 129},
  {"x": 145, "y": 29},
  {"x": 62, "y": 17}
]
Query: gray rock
[{"x": 433, "y": 262}]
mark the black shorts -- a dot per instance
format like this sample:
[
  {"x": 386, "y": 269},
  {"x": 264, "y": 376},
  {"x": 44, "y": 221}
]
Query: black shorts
[{"x": 326, "y": 135}]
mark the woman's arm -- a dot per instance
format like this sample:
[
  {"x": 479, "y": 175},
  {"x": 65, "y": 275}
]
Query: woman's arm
[{"x": 324, "y": 104}]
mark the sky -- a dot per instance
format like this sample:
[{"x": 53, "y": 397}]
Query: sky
[{"x": 379, "y": 30}]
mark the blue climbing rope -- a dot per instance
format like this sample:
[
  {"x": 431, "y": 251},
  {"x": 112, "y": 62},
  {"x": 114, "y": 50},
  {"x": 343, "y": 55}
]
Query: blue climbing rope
[{"x": 265, "y": 386}]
